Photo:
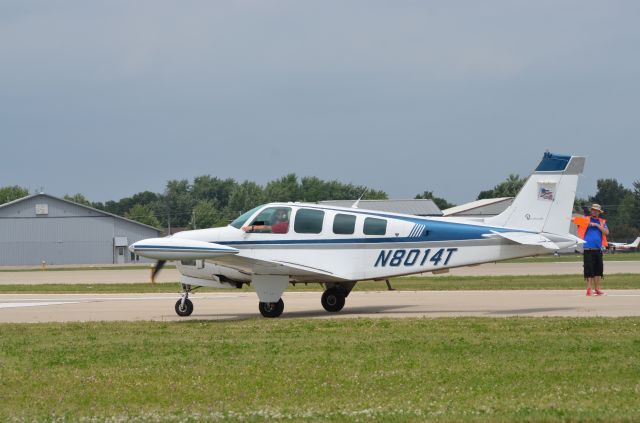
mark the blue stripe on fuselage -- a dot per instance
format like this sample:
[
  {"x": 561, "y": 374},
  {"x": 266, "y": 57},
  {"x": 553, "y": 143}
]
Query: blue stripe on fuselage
[
  {"x": 429, "y": 230},
  {"x": 438, "y": 231}
]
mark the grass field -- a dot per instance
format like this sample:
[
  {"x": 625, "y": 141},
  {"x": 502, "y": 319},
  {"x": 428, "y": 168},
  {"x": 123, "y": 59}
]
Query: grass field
[
  {"x": 633, "y": 256},
  {"x": 441, "y": 283},
  {"x": 462, "y": 369}
]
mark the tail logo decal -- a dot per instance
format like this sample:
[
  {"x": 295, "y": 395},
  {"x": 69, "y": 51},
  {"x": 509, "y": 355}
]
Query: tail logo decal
[{"x": 546, "y": 192}]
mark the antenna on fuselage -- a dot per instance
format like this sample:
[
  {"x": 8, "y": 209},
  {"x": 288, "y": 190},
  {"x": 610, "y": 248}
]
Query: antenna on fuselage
[{"x": 357, "y": 203}]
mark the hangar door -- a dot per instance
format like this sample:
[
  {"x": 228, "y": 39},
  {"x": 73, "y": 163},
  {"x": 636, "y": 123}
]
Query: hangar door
[{"x": 120, "y": 249}]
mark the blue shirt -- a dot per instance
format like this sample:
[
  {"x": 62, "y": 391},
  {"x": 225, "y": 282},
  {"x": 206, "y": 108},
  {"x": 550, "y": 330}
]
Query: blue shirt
[{"x": 593, "y": 236}]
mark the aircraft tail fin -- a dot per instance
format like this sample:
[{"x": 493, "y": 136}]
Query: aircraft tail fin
[
  {"x": 545, "y": 202},
  {"x": 635, "y": 243}
]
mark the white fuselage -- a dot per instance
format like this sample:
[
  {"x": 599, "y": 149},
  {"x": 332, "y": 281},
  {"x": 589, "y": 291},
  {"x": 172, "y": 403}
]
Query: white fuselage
[{"x": 409, "y": 245}]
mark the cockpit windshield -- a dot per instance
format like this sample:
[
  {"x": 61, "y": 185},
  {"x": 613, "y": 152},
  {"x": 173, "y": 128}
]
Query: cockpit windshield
[{"x": 242, "y": 219}]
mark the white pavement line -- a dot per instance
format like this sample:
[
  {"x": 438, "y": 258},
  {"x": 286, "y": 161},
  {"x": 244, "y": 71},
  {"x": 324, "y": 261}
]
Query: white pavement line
[
  {"x": 18, "y": 305},
  {"x": 88, "y": 299},
  {"x": 622, "y": 295}
]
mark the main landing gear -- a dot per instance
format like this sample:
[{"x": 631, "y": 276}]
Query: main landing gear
[
  {"x": 271, "y": 309},
  {"x": 333, "y": 299},
  {"x": 335, "y": 294},
  {"x": 184, "y": 306}
]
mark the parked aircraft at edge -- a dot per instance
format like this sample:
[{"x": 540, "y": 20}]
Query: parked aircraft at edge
[
  {"x": 622, "y": 247},
  {"x": 280, "y": 243}
]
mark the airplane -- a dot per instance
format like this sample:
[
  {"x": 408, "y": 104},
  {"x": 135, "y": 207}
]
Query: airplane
[
  {"x": 621, "y": 246},
  {"x": 277, "y": 244}
]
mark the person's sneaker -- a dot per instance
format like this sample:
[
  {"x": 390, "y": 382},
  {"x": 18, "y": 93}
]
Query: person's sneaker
[
  {"x": 589, "y": 292},
  {"x": 598, "y": 292}
]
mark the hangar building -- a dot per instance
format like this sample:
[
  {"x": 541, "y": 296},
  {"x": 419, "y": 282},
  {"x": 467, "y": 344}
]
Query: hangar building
[
  {"x": 41, "y": 227},
  {"x": 479, "y": 209},
  {"x": 415, "y": 207}
]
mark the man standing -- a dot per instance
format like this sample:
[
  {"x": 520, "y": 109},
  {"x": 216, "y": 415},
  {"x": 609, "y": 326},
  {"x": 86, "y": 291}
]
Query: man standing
[{"x": 593, "y": 230}]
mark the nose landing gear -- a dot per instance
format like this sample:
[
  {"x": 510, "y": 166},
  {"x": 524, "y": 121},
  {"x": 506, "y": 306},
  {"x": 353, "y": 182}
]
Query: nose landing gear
[{"x": 184, "y": 306}]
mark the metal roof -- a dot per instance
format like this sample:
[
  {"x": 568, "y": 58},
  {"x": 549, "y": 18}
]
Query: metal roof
[
  {"x": 19, "y": 200},
  {"x": 474, "y": 205},
  {"x": 414, "y": 207}
]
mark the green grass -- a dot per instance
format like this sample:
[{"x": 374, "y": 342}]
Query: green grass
[
  {"x": 461, "y": 369},
  {"x": 428, "y": 283},
  {"x": 569, "y": 258}
]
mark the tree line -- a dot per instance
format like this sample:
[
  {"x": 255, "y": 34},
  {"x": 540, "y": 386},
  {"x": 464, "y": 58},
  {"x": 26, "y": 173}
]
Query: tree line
[{"x": 210, "y": 201}]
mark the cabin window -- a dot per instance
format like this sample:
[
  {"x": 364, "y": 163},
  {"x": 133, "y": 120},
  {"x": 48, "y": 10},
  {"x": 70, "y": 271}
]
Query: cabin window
[
  {"x": 240, "y": 220},
  {"x": 373, "y": 226},
  {"x": 272, "y": 220},
  {"x": 308, "y": 221},
  {"x": 344, "y": 224}
]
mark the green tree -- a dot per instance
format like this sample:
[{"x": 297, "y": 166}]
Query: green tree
[
  {"x": 440, "y": 202},
  {"x": 611, "y": 195},
  {"x": 313, "y": 189},
  {"x": 283, "y": 189},
  {"x": 629, "y": 212},
  {"x": 206, "y": 215},
  {"x": 243, "y": 198},
  {"x": 509, "y": 188},
  {"x": 143, "y": 213},
  {"x": 178, "y": 203},
  {"x": 11, "y": 193},
  {"x": 213, "y": 189},
  {"x": 123, "y": 205},
  {"x": 78, "y": 199}
]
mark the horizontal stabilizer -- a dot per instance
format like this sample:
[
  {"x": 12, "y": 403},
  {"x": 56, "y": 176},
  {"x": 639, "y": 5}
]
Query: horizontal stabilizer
[
  {"x": 179, "y": 249},
  {"x": 526, "y": 239}
]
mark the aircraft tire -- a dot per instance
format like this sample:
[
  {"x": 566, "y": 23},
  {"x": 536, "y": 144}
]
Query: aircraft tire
[
  {"x": 333, "y": 299},
  {"x": 271, "y": 309},
  {"x": 186, "y": 310}
]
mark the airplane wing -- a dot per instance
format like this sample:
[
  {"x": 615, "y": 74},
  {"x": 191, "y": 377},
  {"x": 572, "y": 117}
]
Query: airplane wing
[
  {"x": 180, "y": 249},
  {"x": 276, "y": 267},
  {"x": 172, "y": 248}
]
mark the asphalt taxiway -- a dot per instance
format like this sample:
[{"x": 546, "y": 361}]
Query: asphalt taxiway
[{"x": 18, "y": 308}]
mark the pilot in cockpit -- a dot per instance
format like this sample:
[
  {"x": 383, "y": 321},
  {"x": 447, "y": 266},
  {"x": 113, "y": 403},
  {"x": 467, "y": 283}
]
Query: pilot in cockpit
[{"x": 279, "y": 223}]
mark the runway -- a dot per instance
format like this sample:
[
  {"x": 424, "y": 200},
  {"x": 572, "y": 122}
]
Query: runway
[
  {"x": 20, "y": 308},
  {"x": 89, "y": 276}
]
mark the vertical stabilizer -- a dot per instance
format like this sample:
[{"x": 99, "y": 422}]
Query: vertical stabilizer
[{"x": 545, "y": 202}]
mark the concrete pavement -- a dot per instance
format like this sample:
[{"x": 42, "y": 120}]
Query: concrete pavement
[{"x": 396, "y": 304}]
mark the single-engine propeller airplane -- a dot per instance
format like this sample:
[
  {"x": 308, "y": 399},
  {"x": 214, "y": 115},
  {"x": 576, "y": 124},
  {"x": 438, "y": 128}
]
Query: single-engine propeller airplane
[
  {"x": 276, "y": 244},
  {"x": 622, "y": 247}
]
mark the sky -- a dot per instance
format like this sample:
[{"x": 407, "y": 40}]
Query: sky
[{"x": 110, "y": 98}]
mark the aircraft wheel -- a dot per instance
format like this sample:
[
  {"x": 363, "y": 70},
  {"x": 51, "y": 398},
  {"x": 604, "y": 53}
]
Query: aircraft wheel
[
  {"x": 185, "y": 310},
  {"x": 333, "y": 299},
  {"x": 271, "y": 309}
]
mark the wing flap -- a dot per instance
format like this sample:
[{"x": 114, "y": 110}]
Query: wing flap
[{"x": 297, "y": 271}]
